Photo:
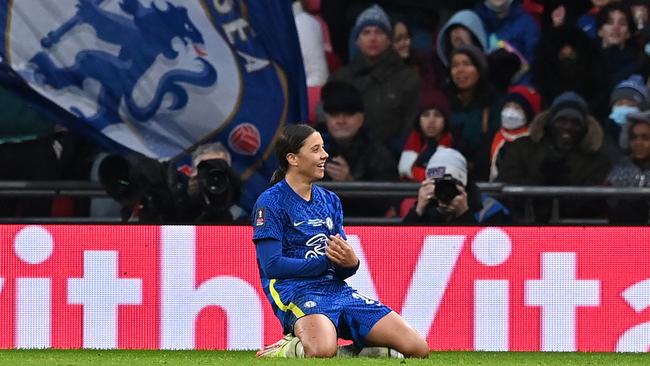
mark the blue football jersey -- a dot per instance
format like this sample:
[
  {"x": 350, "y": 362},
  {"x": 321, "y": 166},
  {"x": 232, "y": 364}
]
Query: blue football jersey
[{"x": 303, "y": 227}]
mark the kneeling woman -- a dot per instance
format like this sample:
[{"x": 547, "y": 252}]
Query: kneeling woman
[{"x": 304, "y": 259}]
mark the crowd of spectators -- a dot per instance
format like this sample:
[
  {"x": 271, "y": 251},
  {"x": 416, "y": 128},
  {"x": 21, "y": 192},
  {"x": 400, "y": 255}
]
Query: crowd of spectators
[{"x": 525, "y": 92}]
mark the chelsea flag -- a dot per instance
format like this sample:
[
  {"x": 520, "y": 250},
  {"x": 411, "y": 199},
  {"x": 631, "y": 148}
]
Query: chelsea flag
[{"x": 161, "y": 76}]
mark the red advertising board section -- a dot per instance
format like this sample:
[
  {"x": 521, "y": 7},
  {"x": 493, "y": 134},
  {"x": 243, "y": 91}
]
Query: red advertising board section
[{"x": 464, "y": 288}]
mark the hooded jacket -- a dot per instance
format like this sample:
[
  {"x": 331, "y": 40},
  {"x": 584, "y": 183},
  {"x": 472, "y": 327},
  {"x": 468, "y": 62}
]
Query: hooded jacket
[
  {"x": 467, "y": 19},
  {"x": 534, "y": 160}
]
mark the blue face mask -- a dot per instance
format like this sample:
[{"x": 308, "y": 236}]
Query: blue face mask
[{"x": 619, "y": 113}]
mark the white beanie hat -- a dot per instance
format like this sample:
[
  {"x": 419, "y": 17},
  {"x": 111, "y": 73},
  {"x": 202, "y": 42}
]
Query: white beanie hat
[{"x": 447, "y": 161}]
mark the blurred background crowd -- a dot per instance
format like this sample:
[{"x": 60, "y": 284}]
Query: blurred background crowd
[{"x": 520, "y": 92}]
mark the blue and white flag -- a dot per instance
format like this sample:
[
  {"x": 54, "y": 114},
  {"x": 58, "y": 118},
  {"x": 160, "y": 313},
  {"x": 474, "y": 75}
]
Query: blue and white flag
[{"x": 161, "y": 76}]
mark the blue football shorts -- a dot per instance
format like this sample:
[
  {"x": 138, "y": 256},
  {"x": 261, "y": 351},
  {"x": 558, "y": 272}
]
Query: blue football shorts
[{"x": 352, "y": 313}]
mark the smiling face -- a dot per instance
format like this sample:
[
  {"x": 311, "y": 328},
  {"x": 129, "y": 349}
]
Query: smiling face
[
  {"x": 616, "y": 31},
  {"x": 401, "y": 40},
  {"x": 464, "y": 73},
  {"x": 309, "y": 161},
  {"x": 567, "y": 132}
]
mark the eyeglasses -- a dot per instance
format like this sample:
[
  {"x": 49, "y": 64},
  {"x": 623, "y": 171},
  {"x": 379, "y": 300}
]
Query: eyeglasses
[{"x": 402, "y": 38}]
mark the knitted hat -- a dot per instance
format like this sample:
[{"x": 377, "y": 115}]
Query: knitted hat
[
  {"x": 529, "y": 99},
  {"x": 447, "y": 161},
  {"x": 341, "y": 97},
  {"x": 475, "y": 54},
  {"x": 373, "y": 15},
  {"x": 569, "y": 104},
  {"x": 631, "y": 88}
]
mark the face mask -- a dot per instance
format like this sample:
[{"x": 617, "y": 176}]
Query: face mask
[
  {"x": 498, "y": 8},
  {"x": 512, "y": 119},
  {"x": 619, "y": 113}
]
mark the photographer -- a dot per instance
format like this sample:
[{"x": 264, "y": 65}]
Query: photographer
[
  {"x": 448, "y": 197},
  {"x": 154, "y": 192},
  {"x": 213, "y": 188}
]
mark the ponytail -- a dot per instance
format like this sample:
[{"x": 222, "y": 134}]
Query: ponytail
[{"x": 278, "y": 175}]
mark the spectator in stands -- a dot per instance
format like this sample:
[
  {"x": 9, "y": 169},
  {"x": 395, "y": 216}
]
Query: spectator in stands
[
  {"x": 562, "y": 13},
  {"x": 431, "y": 80},
  {"x": 520, "y": 107},
  {"x": 506, "y": 21},
  {"x": 568, "y": 60},
  {"x": 28, "y": 151},
  {"x": 475, "y": 108},
  {"x": 310, "y": 35},
  {"x": 633, "y": 171},
  {"x": 464, "y": 27},
  {"x": 565, "y": 148},
  {"x": 629, "y": 96},
  {"x": 587, "y": 22},
  {"x": 390, "y": 89},
  {"x": 203, "y": 204},
  {"x": 615, "y": 26},
  {"x": 430, "y": 130},
  {"x": 447, "y": 196},
  {"x": 353, "y": 154}
]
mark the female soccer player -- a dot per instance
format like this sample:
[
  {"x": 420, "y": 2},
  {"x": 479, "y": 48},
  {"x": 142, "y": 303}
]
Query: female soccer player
[{"x": 304, "y": 259}]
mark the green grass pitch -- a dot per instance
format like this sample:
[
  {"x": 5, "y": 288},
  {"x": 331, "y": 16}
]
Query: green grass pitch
[{"x": 194, "y": 358}]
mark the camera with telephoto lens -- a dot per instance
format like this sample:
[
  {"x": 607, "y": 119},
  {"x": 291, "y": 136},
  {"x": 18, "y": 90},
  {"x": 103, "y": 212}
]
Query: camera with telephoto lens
[
  {"x": 160, "y": 193},
  {"x": 217, "y": 182},
  {"x": 135, "y": 180},
  {"x": 446, "y": 189}
]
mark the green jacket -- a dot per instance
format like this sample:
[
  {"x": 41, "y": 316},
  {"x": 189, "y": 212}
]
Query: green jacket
[{"x": 390, "y": 92}]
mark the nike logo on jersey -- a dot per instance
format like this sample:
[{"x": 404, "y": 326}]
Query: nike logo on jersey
[{"x": 298, "y": 223}]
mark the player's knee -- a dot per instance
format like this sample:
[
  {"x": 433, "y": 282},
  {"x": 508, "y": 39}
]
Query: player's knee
[
  {"x": 320, "y": 349},
  {"x": 417, "y": 348}
]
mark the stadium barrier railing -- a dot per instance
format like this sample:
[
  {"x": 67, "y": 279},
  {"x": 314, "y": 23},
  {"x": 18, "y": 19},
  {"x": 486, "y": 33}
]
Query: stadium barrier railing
[{"x": 344, "y": 189}]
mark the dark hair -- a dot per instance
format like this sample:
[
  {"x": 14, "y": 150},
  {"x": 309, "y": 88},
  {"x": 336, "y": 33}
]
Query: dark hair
[
  {"x": 602, "y": 17},
  {"x": 485, "y": 94},
  {"x": 289, "y": 142}
]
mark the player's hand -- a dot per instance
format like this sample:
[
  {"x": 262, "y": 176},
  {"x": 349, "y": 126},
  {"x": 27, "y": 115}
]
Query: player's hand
[{"x": 340, "y": 252}]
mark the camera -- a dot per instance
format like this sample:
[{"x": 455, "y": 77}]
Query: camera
[
  {"x": 163, "y": 195},
  {"x": 446, "y": 189},
  {"x": 134, "y": 179},
  {"x": 218, "y": 185}
]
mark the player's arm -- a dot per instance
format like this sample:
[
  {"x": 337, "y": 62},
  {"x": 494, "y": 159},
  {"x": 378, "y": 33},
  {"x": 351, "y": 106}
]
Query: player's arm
[{"x": 274, "y": 265}]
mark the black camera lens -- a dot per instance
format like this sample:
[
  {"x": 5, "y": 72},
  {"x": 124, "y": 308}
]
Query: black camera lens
[
  {"x": 213, "y": 176},
  {"x": 446, "y": 189}
]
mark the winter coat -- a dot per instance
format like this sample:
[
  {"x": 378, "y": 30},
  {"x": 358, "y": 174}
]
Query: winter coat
[
  {"x": 467, "y": 19},
  {"x": 534, "y": 160},
  {"x": 390, "y": 92},
  {"x": 368, "y": 161},
  {"x": 629, "y": 211},
  {"x": 417, "y": 151},
  {"x": 473, "y": 127},
  {"x": 518, "y": 28}
]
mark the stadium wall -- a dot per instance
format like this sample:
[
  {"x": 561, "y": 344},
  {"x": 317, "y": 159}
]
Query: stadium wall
[{"x": 464, "y": 288}]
